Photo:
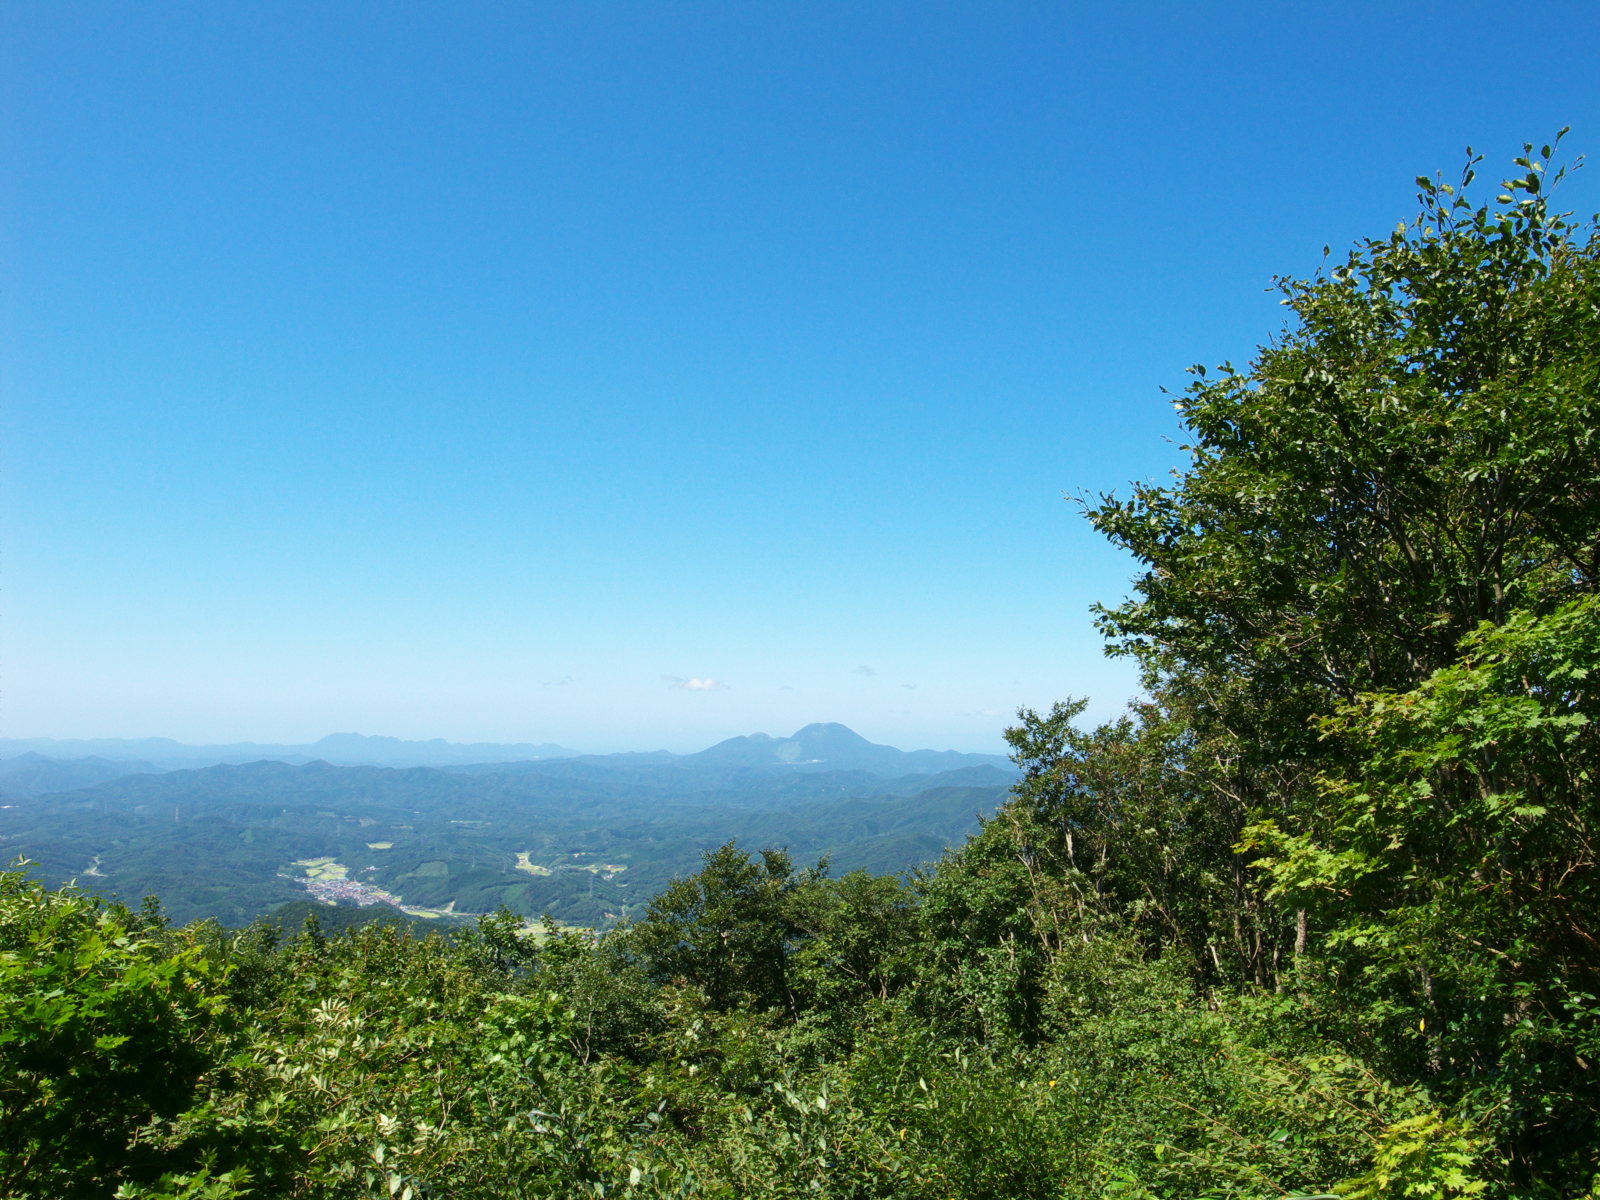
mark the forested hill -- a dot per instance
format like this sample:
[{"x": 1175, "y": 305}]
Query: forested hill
[
  {"x": 583, "y": 839},
  {"x": 32, "y": 774}
]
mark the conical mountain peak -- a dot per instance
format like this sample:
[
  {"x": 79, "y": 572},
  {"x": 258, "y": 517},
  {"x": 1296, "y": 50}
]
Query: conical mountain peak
[{"x": 830, "y": 746}]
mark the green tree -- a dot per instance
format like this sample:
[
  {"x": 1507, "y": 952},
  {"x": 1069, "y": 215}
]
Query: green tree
[
  {"x": 1457, "y": 878},
  {"x": 860, "y": 931},
  {"x": 1418, "y": 453},
  {"x": 728, "y": 929},
  {"x": 1366, "y": 626},
  {"x": 107, "y": 1025}
]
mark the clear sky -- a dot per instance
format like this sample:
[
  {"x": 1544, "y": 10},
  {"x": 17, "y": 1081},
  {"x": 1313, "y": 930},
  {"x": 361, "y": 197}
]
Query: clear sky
[{"x": 632, "y": 375}]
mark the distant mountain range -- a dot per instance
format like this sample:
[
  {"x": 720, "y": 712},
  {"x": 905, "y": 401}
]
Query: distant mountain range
[
  {"x": 344, "y": 749},
  {"x": 818, "y": 747},
  {"x": 587, "y": 838},
  {"x": 834, "y": 747}
]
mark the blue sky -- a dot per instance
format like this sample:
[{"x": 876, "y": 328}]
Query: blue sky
[{"x": 634, "y": 375}]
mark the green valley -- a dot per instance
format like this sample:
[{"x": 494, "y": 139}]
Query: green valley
[{"x": 585, "y": 840}]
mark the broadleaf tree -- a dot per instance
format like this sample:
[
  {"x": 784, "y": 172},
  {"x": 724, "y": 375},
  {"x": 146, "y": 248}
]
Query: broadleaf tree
[{"x": 1418, "y": 453}]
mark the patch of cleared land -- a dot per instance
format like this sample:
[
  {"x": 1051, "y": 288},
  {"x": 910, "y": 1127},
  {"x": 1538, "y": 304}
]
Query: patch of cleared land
[
  {"x": 532, "y": 868},
  {"x": 323, "y": 869},
  {"x": 606, "y": 870},
  {"x": 380, "y": 845},
  {"x": 329, "y": 881},
  {"x": 413, "y": 910}
]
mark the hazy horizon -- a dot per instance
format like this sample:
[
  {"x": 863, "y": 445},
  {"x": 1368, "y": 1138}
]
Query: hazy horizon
[{"x": 580, "y": 749}]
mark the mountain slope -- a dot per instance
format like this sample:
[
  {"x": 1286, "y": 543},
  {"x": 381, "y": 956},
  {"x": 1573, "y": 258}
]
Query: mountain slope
[
  {"x": 833, "y": 747},
  {"x": 33, "y": 774}
]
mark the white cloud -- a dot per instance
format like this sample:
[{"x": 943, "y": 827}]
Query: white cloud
[
  {"x": 694, "y": 683},
  {"x": 863, "y": 669}
]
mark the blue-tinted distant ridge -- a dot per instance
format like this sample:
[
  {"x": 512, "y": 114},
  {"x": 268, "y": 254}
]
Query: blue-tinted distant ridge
[
  {"x": 823, "y": 746},
  {"x": 828, "y": 746}
]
